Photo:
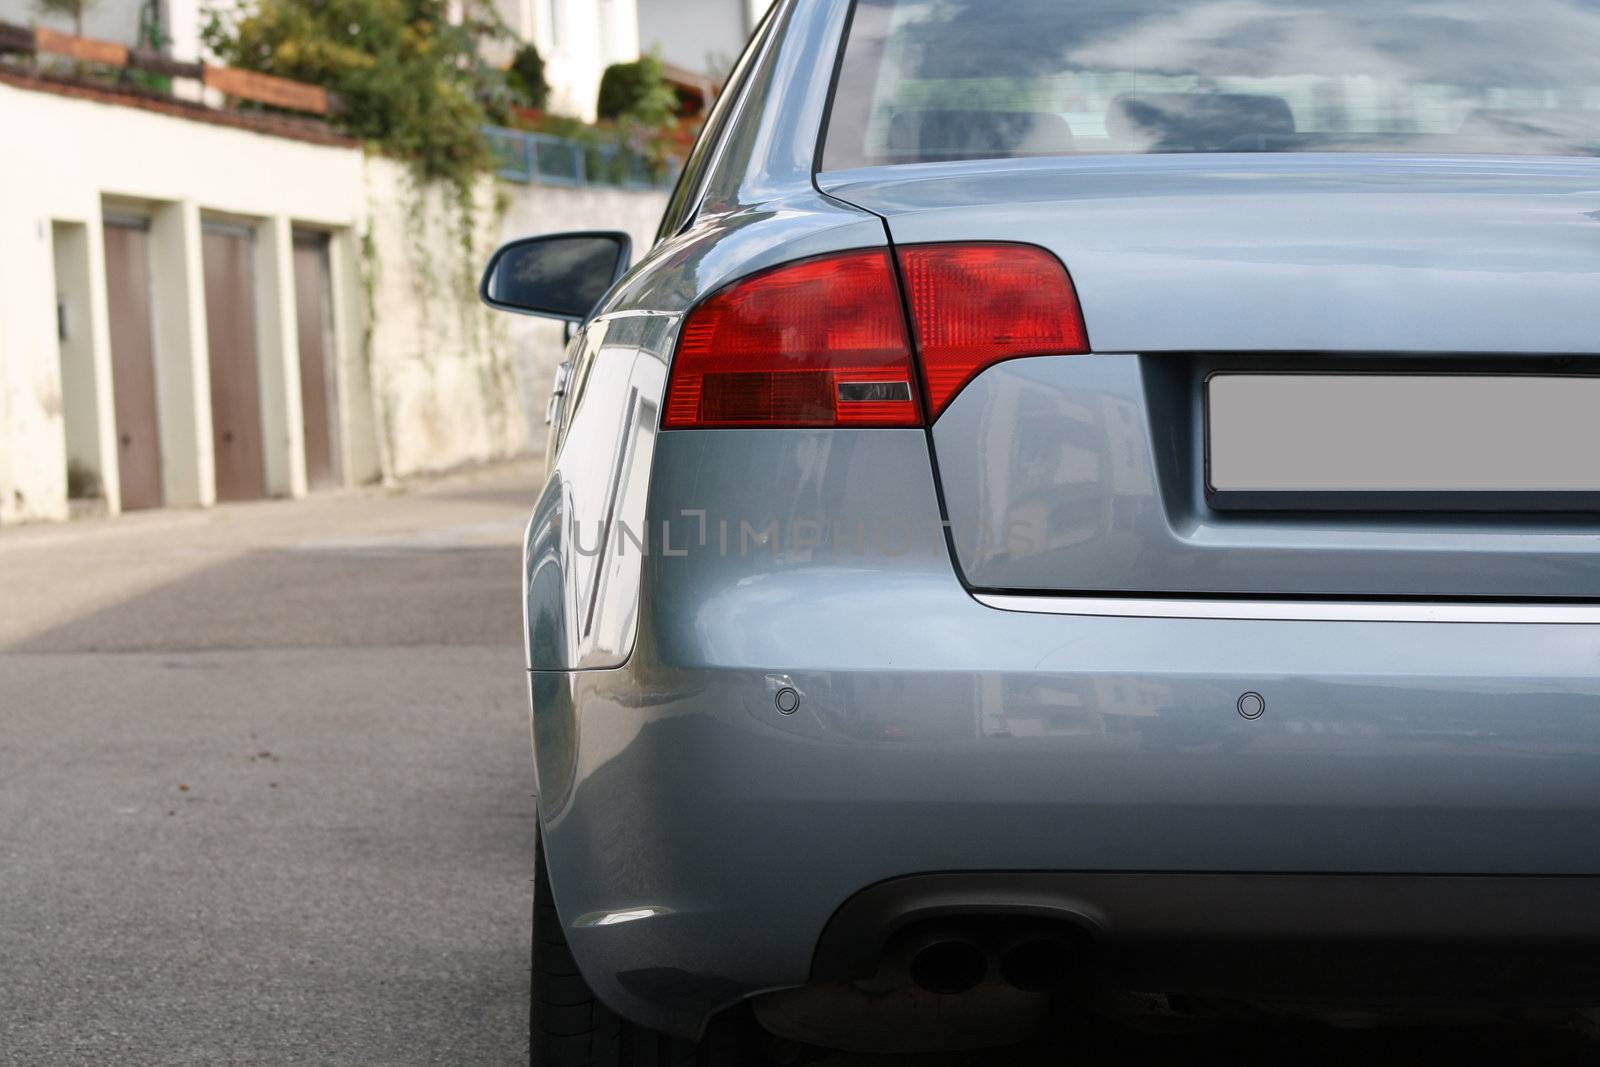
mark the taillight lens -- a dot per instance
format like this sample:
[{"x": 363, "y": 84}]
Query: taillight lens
[
  {"x": 974, "y": 305},
  {"x": 821, "y": 342}
]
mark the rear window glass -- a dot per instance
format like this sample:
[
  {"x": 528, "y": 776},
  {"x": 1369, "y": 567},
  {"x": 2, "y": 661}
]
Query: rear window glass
[{"x": 933, "y": 80}]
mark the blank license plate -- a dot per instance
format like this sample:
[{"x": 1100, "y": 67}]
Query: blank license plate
[{"x": 1390, "y": 440}]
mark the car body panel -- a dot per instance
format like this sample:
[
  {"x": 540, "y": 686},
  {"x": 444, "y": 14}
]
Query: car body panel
[
  {"x": 935, "y": 733},
  {"x": 699, "y": 839},
  {"x": 609, "y": 418},
  {"x": 1085, "y": 474},
  {"x": 580, "y": 581},
  {"x": 581, "y": 600},
  {"x": 1284, "y": 253}
]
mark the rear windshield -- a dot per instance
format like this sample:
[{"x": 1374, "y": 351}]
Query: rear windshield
[{"x": 932, "y": 80}]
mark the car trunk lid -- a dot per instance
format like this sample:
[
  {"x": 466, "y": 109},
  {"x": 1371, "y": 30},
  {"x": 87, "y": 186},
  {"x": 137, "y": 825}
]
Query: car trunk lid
[{"x": 1089, "y": 474}]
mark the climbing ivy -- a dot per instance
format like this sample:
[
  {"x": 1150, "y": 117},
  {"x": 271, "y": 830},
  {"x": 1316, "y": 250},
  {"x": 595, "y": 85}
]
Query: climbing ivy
[{"x": 370, "y": 271}]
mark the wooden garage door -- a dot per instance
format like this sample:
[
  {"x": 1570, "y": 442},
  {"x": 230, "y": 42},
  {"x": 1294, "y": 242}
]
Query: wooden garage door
[
  {"x": 235, "y": 383},
  {"x": 314, "y": 319},
  {"x": 133, "y": 369}
]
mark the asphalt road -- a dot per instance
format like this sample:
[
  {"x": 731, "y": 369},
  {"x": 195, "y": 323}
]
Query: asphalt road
[
  {"x": 264, "y": 777},
  {"x": 265, "y": 781}
]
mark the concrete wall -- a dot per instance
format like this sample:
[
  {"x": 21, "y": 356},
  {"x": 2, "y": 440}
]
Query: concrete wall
[
  {"x": 451, "y": 381},
  {"x": 536, "y": 344},
  {"x": 426, "y": 377}
]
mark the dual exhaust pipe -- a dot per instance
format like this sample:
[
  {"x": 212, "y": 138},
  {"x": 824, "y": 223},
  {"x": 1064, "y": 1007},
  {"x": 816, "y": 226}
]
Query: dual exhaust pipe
[{"x": 950, "y": 963}]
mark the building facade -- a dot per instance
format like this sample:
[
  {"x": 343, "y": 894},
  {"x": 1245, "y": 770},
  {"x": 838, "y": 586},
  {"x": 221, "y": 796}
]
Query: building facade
[
  {"x": 702, "y": 38},
  {"x": 578, "y": 39},
  {"x": 201, "y": 305},
  {"x": 171, "y": 25},
  {"x": 197, "y": 306}
]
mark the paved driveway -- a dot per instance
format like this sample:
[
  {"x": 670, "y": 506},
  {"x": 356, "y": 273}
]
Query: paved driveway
[{"x": 264, "y": 777}]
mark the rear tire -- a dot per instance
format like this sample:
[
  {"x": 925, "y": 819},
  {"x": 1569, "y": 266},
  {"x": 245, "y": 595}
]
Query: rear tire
[{"x": 569, "y": 1027}]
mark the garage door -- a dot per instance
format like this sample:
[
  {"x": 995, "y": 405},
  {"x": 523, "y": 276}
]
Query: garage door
[{"x": 235, "y": 381}]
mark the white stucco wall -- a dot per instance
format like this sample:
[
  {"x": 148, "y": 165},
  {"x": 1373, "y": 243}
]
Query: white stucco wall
[
  {"x": 69, "y": 157},
  {"x": 454, "y": 381},
  {"x": 443, "y": 388},
  {"x": 535, "y": 345},
  {"x": 183, "y": 21},
  {"x": 437, "y": 380}
]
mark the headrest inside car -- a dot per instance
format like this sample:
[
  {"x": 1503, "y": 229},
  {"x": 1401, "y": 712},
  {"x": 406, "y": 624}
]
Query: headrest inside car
[
  {"x": 1197, "y": 122},
  {"x": 934, "y": 135}
]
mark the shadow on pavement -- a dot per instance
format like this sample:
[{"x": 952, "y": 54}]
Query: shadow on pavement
[{"x": 363, "y": 595}]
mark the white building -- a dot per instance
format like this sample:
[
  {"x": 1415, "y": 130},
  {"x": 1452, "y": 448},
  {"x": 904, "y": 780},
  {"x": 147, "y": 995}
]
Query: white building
[
  {"x": 580, "y": 38},
  {"x": 129, "y": 22},
  {"x": 701, "y": 37},
  {"x": 577, "y": 38},
  {"x": 199, "y": 305}
]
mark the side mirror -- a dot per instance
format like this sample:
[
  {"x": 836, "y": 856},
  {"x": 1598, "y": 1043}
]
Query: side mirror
[{"x": 559, "y": 275}]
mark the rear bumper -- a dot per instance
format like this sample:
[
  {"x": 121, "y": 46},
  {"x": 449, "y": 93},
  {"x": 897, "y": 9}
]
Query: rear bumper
[
  {"x": 1421, "y": 782},
  {"x": 700, "y": 840},
  {"x": 1386, "y": 941},
  {"x": 1167, "y": 907}
]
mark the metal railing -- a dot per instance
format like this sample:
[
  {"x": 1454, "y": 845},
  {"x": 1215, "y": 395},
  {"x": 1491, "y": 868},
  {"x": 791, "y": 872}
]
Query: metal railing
[{"x": 544, "y": 159}]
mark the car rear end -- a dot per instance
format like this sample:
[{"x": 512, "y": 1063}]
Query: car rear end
[{"x": 1166, "y": 550}]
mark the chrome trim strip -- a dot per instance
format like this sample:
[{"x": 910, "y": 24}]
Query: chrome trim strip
[
  {"x": 1296, "y": 610},
  {"x": 634, "y": 313},
  {"x": 614, "y": 918}
]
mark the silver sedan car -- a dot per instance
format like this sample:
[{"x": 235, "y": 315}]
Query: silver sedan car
[{"x": 1084, "y": 500}]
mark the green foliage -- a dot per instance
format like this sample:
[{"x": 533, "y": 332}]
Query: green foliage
[
  {"x": 72, "y": 9},
  {"x": 525, "y": 78},
  {"x": 412, "y": 81},
  {"x": 637, "y": 91}
]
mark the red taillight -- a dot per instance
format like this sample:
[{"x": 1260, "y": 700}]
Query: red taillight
[
  {"x": 823, "y": 342},
  {"x": 974, "y": 305}
]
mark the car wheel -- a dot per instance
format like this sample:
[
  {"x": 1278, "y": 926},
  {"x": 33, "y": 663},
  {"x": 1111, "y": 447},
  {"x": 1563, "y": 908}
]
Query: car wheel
[{"x": 569, "y": 1027}]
